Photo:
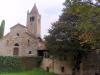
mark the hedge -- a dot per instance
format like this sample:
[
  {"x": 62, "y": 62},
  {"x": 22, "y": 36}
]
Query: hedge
[
  {"x": 10, "y": 64},
  {"x": 16, "y": 64}
]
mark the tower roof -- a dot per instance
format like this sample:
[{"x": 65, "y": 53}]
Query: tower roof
[{"x": 34, "y": 10}]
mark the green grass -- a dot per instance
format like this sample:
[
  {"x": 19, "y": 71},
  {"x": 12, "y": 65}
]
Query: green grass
[{"x": 33, "y": 72}]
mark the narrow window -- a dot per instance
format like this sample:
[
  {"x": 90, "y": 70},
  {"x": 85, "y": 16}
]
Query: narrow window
[
  {"x": 47, "y": 68},
  {"x": 45, "y": 54},
  {"x": 62, "y": 69},
  {"x": 30, "y": 19},
  {"x": 28, "y": 42},
  {"x": 7, "y": 42}
]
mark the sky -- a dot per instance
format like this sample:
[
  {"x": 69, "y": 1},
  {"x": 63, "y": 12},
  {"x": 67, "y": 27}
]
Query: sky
[{"x": 15, "y": 11}]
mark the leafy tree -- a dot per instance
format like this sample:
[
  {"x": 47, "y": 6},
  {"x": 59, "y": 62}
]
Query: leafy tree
[
  {"x": 2, "y": 29},
  {"x": 75, "y": 33}
]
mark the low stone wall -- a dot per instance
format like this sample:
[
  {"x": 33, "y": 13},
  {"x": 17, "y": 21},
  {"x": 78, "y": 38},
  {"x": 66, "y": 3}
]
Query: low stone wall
[
  {"x": 91, "y": 64},
  {"x": 56, "y": 66},
  {"x": 29, "y": 63}
]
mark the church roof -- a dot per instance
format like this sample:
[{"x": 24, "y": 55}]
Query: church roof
[
  {"x": 18, "y": 24},
  {"x": 6, "y": 35},
  {"x": 34, "y": 10}
]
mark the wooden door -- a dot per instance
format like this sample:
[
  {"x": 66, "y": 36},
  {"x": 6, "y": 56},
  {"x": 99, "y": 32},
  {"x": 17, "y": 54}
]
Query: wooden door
[{"x": 16, "y": 51}]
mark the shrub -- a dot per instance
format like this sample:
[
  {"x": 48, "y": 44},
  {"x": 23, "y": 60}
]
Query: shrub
[
  {"x": 10, "y": 64},
  {"x": 16, "y": 64}
]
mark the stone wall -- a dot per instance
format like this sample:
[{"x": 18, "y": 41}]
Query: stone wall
[
  {"x": 25, "y": 40},
  {"x": 91, "y": 64},
  {"x": 56, "y": 66}
]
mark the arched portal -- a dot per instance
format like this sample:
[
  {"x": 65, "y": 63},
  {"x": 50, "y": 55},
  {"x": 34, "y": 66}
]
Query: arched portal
[{"x": 16, "y": 49}]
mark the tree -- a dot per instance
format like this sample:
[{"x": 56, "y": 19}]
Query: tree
[
  {"x": 2, "y": 29},
  {"x": 73, "y": 35}
]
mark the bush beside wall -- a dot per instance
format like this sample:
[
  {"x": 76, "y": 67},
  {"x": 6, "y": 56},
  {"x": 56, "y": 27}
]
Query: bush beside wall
[
  {"x": 9, "y": 64},
  {"x": 16, "y": 64}
]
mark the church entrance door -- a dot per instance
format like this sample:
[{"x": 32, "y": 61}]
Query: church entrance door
[{"x": 16, "y": 51}]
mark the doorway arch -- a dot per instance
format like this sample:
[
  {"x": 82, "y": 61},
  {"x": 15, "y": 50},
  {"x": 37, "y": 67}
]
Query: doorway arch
[{"x": 16, "y": 49}]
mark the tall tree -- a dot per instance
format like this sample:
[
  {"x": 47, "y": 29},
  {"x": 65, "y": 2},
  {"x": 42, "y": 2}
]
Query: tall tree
[
  {"x": 75, "y": 33},
  {"x": 2, "y": 26}
]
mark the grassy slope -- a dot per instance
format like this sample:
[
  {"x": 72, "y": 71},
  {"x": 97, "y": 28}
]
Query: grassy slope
[{"x": 33, "y": 72}]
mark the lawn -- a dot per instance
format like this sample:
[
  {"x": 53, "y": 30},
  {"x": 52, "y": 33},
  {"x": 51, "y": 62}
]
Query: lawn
[{"x": 33, "y": 72}]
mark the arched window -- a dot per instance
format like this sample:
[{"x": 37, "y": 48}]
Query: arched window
[
  {"x": 16, "y": 44},
  {"x": 32, "y": 19}
]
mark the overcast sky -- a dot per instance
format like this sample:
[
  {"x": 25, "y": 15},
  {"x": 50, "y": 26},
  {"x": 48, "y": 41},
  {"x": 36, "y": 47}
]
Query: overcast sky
[{"x": 15, "y": 11}]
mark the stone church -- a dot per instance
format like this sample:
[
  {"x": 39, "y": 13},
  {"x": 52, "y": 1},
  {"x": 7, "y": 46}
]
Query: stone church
[{"x": 23, "y": 40}]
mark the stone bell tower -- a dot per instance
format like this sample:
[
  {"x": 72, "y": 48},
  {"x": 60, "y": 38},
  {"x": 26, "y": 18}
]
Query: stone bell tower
[{"x": 34, "y": 22}]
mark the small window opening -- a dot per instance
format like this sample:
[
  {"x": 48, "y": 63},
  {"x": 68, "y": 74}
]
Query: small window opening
[
  {"x": 62, "y": 69},
  {"x": 30, "y": 52},
  {"x": 17, "y": 34},
  {"x": 47, "y": 68},
  {"x": 28, "y": 42},
  {"x": 46, "y": 55},
  {"x": 7, "y": 42},
  {"x": 16, "y": 44},
  {"x": 32, "y": 18}
]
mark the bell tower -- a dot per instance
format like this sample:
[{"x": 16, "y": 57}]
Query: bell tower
[{"x": 34, "y": 22}]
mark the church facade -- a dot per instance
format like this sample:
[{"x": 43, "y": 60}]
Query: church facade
[
  {"x": 25, "y": 41},
  {"x": 22, "y": 40}
]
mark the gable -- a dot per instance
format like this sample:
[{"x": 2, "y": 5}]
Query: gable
[{"x": 18, "y": 26}]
